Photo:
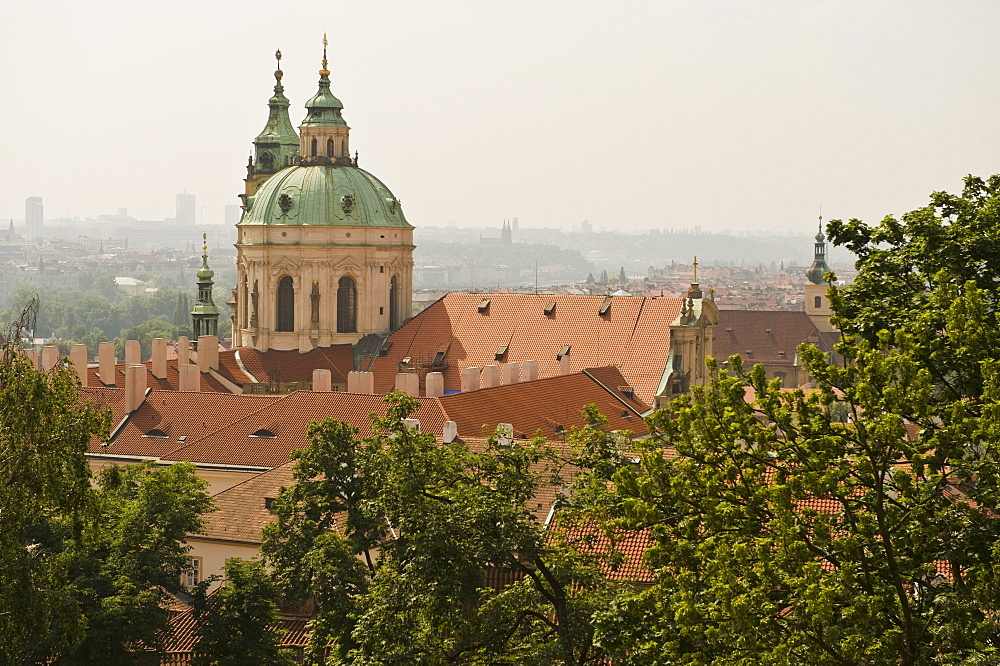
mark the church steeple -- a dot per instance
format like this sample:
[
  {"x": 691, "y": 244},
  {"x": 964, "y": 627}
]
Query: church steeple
[
  {"x": 324, "y": 135},
  {"x": 205, "y": 314},
  {"x": 277, "y": 145},
  {"x": 819, "y": 268}
]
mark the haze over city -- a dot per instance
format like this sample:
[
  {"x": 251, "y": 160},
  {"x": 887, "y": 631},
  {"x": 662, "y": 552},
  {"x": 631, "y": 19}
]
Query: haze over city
[{"x": 633, "y": 115}]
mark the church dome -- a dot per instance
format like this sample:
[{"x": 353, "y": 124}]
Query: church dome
[{"x": 324, "y": 195}]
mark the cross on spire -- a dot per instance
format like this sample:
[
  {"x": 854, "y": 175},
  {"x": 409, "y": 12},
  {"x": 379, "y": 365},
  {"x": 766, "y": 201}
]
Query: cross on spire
[
  {"x": 324, "y": 71},
  {"x": 695, "y": 264}
]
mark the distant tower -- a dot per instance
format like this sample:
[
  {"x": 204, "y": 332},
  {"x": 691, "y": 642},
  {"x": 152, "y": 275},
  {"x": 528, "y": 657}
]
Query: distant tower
[
  {"x": 817, "y": 305},
  {"x": 33, "y": 217},
  {"x": 277, "y": 145},
  {"x": 506, "y": 238},
  {"x": 205, "y": 315},
  {"x": 185, "y": 209},
  {"x": 232, "y": 214},
  {"x": 513, "y": 224}
]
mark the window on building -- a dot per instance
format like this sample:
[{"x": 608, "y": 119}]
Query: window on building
[
  {"x": 314, "y": 147},
  {"x": 393, "y": 304},
  {"x": 817, "y": 302},
  {"x": 286, "y": 305},
  {"x": 329, "y": 147},
  {"x": 347, "y": 306},
  {"x": 193, "y": 574}
]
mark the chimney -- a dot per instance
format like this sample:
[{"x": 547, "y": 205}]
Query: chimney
[
  {"x": 490, "y": 376},
  {"x": 133, "y": 353},
  {"x": 32, "y": 356},
  {"x": 412, "y": 424},
  {"x": 208, "y": 352},
  {"x": 408, "y": 383},
  {"x": 190, "y": 378},
  {"x": 564, "y": 365},
  {"x": 183, "y": 350},
  {"x": 135, "y": 386},
  {"x": 450, "y": 432},
  {"x": 352, "y": 382},
  {"x": 505, "y": 434},
  {"x": 50, "y": 356},
  {"x": 160, "y": 358},
  {"x": 470, "y": 379},
  {"x": 322, "y": 380},
  {"x": 529, "y": 371},
  {"x": 510, "y": 373},
  {"x": 434, "y": 385},
  {"x": 106, "y": 362},
  {"x": 365, "y": 383},
  {"x": 78, "y": 356}
]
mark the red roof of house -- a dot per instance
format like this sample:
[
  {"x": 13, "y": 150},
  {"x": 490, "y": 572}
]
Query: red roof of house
[
  {"x": 768, "y": 337},
  {"x": 633, "y": 335},
  {"x": 548, "y": 405}
]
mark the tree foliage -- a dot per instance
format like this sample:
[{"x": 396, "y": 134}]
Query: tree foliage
[
  {"x": 785, "y": 536},
  {"x": 393, "y": 536},
  {"x": 235, "y": 624}
]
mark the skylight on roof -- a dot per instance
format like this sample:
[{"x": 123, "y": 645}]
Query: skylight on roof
[
  {"x": 264, "y": 433},
  {"x": 605, "y": 306},
  {"x": 563, "y": 351},
  {"x": 156, "y": 433}
]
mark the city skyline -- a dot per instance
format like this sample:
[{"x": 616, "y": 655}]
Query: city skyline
[{"x": 632, "y": 116}]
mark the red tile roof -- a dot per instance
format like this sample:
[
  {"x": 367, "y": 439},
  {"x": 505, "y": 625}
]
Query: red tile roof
[
  {"x": 286, "y": 366},
  {"x": 634, "y": 336},
  {"x": 241, "y": 512},
  {"x": 768, "y": 337},
  {"x": 619, "y": 555},
  {"x": 237, "y": 442},
  {"x": 547, "y": 405}
]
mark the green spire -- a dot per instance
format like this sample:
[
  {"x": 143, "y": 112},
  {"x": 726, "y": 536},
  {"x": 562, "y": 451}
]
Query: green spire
[
  {"x": 205, "y": 314},
  {"x": 818, "y": 269},
  {"x": 278, "y": 143},
  {"x": 324, "y": 108}
]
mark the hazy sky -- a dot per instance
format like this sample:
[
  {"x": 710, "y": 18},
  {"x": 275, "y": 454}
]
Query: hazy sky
[{"x": 723, "y": 114}]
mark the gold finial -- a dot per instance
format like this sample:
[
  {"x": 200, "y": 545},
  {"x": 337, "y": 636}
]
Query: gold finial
[
  {"x": 695, "y": 264},
  {"x": 278, "y": 73},
  {"x": 204, "y": 245},
  {"x": 324, "y": 71}
]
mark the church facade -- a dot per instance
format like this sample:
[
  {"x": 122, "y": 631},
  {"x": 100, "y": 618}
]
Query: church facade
[{"x": 324, "y": 252}]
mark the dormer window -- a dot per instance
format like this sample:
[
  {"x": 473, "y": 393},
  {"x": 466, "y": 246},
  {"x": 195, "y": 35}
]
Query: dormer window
[
  {"x": 156, "y": 433},
  {"x": 264, "y": 433}
]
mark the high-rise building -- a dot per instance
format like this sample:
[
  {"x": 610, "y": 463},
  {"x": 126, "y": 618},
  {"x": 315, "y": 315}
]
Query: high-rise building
[
  {"x": 33, "y": 217},
  {"x": 232, "y": 214},
  {"x": 185, "y": 209}
]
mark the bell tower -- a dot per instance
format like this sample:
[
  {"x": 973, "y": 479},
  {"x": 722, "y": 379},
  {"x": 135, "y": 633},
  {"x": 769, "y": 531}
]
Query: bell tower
[
  {"x": 324, "y": 135},
  {"x": 277, "y": 145},
  {"x": 817, "y": 305},
  {"x": 205, "y": 315}
]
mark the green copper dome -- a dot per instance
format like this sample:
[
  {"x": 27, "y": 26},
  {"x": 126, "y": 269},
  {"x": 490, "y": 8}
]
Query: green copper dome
[{"x": 324, "y": 195}]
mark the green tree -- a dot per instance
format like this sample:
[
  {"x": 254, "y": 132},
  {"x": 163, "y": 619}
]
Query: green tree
[
  {"x": 235, "y": 624},
  {"x": 439, "y": 517},
  {"x": 44, "y": 477},
  {"x": 131, "y": 558}
]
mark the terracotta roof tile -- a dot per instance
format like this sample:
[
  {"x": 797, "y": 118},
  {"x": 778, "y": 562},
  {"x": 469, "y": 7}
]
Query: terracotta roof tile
[
  {"x": 634, "y": 335},
  {"x": 619, "y": 556},
  {"x": 768, "y": 337},
  {"x": 547, "y": 404},
  {"x": 237, "y": 443},
  {"x": 241, "y": 512}
]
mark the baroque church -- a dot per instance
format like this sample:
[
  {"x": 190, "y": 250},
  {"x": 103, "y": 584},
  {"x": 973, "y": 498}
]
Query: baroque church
[{"x": 324, "y": 251}]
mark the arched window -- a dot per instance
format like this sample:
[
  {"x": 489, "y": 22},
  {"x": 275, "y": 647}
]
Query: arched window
[
  {"x": 329, "y": 147},
  {"x": 817, "y": 302},
  {"x": 286, "y": 305},
  {"x": 343, "y": 147},
  {"x": 347, "y": 306},
  {"x": 393, "y": 304},
  {"x": 314, "y": 146}
]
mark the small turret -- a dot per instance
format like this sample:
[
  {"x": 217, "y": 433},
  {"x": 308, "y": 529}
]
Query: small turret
[
  {"x": 277, "y": 146},
  {"x": 205, "y": 314},
  {"x": 324, "y": 135},
  {"x": 818, "y": 269}
]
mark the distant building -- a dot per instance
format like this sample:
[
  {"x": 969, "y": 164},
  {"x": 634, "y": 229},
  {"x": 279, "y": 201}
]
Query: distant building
[
  {"x": 33, "y": 217},
  {"x": 232, "y": 214},
  {"x": 506, "y": 236},
  {"x": 185, "y": 209},
  {"x": 586, "y": 227}
]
